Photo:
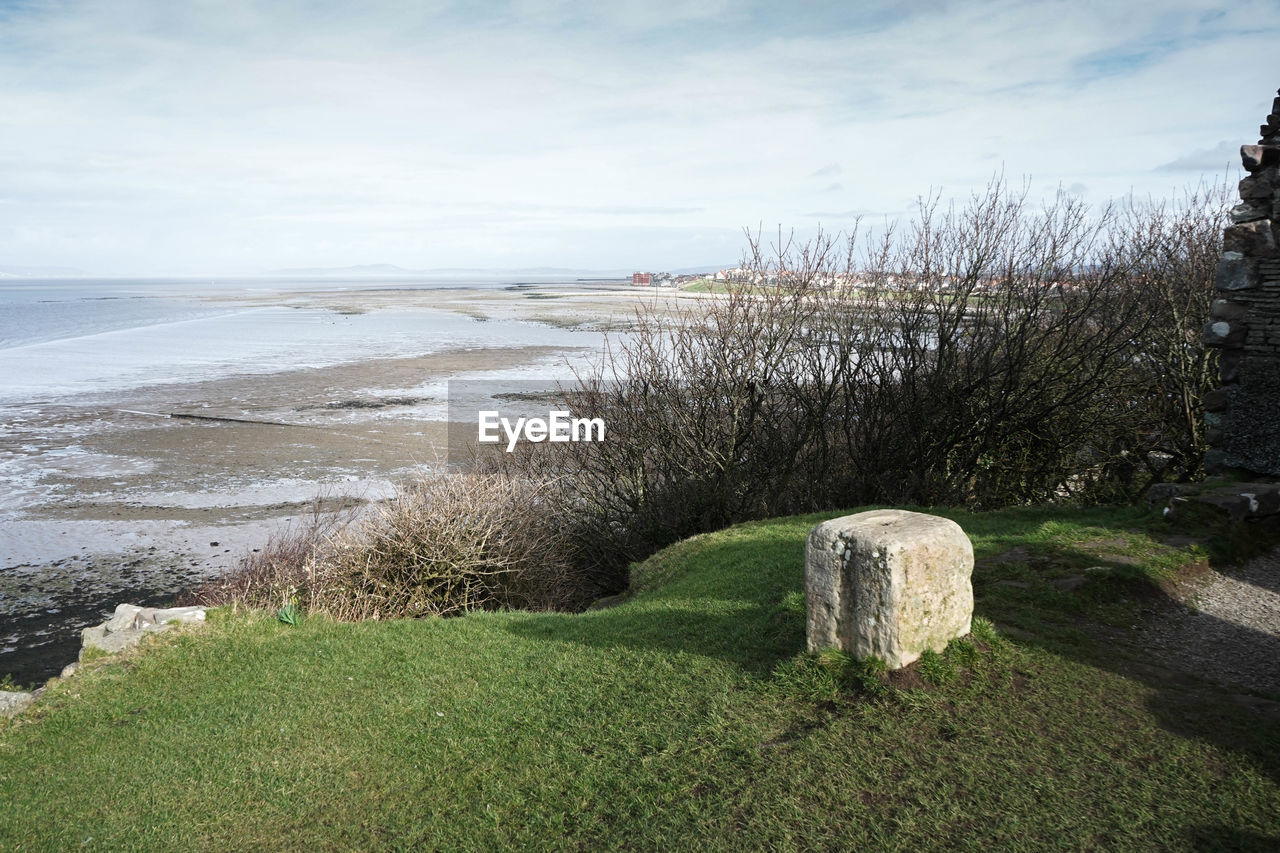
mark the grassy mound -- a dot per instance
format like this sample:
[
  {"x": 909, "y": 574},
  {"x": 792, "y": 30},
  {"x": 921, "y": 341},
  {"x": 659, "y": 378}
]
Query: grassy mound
[{"x": 684, "y": 717}]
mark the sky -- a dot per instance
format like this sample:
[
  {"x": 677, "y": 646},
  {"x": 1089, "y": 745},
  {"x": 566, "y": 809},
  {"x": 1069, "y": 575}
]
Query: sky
[{"x": 153, "y": 137}]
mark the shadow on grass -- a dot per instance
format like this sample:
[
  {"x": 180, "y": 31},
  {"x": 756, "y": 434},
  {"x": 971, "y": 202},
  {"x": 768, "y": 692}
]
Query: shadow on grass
[
  {"x": 753, "y": 638},
  {"x": 743, "y": 606},
  {"x": 1211, "y": 679},
  {"x": 752, "y": 621}
]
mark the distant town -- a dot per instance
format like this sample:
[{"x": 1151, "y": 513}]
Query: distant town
[{"x": 986, "y": 284}]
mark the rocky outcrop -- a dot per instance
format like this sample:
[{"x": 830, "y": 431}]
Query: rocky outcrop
[
  {"x": 131, "y": 623},
  {"x": 1241, "y": 421},
  {"x": 14, "y": 702},
  {"x": 888, "y": 583}
]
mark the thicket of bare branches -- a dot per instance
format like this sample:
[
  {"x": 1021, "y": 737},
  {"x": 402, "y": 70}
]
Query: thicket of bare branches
[
  {"x": 444, "y": 545},
  {"x": 447, "y": 544},
  {"x": 1173, "y": 248},
  {"x": 988, "y": 354}
]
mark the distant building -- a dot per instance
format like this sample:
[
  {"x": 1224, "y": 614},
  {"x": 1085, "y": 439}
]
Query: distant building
[{"x": 642, "y": 278}]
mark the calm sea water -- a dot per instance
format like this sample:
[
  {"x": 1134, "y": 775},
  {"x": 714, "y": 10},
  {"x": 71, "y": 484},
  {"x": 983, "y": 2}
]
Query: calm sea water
[{"x": 67, "y": 337}]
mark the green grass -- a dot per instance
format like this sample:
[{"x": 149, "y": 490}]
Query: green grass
[{"x": 686, "y": 717}]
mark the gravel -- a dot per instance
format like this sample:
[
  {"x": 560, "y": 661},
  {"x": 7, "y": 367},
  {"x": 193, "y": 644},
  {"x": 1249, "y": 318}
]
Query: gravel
[{"x": 1228, "y": 629}]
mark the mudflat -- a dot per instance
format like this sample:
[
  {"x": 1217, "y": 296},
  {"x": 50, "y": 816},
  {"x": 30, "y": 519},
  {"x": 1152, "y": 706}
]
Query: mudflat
[{"x": 137, "y": 494}]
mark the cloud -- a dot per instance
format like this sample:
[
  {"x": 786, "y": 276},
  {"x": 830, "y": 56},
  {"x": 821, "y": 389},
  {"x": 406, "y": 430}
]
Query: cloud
[
  {"x": 1219, "y": 158},
  {"x": 143, "y": 136},
  {"x": 852, "y": 213}
]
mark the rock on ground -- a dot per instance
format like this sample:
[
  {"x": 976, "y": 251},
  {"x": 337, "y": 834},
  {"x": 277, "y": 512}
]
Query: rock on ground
[
  {"x": 13, "y": 702},
  {"x": 131, "y": 622},
  {"x": 888, "y": 583}
]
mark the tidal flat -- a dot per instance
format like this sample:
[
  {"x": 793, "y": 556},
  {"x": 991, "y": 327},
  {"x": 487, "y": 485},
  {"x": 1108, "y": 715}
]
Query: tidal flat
[{"x": 138, "y": 462}]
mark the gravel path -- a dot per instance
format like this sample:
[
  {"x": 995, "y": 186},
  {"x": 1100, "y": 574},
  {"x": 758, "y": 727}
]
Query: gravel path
[{"x": 1229, "y": 629}]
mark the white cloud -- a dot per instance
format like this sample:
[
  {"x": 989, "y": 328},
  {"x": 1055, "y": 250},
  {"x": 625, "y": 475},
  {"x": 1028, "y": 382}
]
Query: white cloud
[{"x": 147, "y": 136}]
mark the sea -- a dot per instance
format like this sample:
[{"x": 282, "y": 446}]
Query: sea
[
  {"x": 71, "y": 348},
  {"x": 64, "y": 337}
]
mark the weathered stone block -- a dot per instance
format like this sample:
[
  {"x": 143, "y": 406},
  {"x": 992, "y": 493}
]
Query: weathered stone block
[
  {"x": 1217, "y": 400},
  {"x": 1229, "y": 365},
  {"x": 888, "y": 583},
  {"x": 1225, "y": 309},
  {"x": 1254, "y": 239},
  {"x": 13, "y": 702},
  {"x": 1259, "y": 185},
  {"x": 1215, "y": 458},
  {"x": 1255, "y": 157},
  {"x": 1251, "y": 211},
  {"x": 1237, "y": 273},
  {"x": 1220, "y": 333}
]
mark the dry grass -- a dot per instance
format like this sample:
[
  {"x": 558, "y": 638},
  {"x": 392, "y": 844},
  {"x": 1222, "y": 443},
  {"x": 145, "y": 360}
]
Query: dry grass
[
  {"x": 279, "y": 573},
  {"x": 446, "y": 544}
]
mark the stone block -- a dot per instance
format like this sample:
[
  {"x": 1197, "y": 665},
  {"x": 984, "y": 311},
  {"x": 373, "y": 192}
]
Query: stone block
[
  {"x": 1253, "y": 239},
  {"x": 888, "y": 583},
  {"x": 1161, "y": 493},
  {"x": 1238, "y": 273},
  {"x": 13, "y": 702},
  {"x": 1220, "y": 333},
  {"x": 1225, "y": 309},
  {"x": 1259, "y": 185},
  {"x": 1251, "y": 211},
  {"x": 1256, "y": 157},
  {"x": 1229, "y": 366},
  {"x": 1217, "y": 400}
]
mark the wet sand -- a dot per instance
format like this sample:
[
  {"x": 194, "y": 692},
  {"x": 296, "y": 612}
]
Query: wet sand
[{"x": 127, "y": 500}]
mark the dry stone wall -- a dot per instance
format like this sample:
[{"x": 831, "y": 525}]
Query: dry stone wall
[{"x": 1243, "y": 416}]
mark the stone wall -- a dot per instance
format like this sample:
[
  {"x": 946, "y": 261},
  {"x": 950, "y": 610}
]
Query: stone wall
[{"x": 1243, "y": 416}]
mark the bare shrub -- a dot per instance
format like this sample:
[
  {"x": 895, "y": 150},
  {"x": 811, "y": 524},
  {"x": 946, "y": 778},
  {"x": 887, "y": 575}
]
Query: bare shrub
[
  {"x": 279, "y": 573},
  {"x": 1173, "y": 248},
  {"x": 445, "y": 545},
  {"x": 996, "y": 367},
  {"x": 987, "y": 354}
]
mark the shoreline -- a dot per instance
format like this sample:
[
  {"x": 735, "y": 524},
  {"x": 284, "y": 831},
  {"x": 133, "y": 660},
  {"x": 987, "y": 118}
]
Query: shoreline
[{"x": 113, "y": 502}]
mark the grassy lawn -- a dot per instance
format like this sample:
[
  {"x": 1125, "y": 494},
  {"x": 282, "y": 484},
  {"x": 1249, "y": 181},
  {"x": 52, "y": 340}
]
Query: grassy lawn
[{"x": 684, "y": 718}]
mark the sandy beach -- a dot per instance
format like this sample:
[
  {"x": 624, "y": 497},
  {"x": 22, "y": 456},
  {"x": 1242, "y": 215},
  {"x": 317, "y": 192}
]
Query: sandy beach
[{"x": 122, "y": 495}]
